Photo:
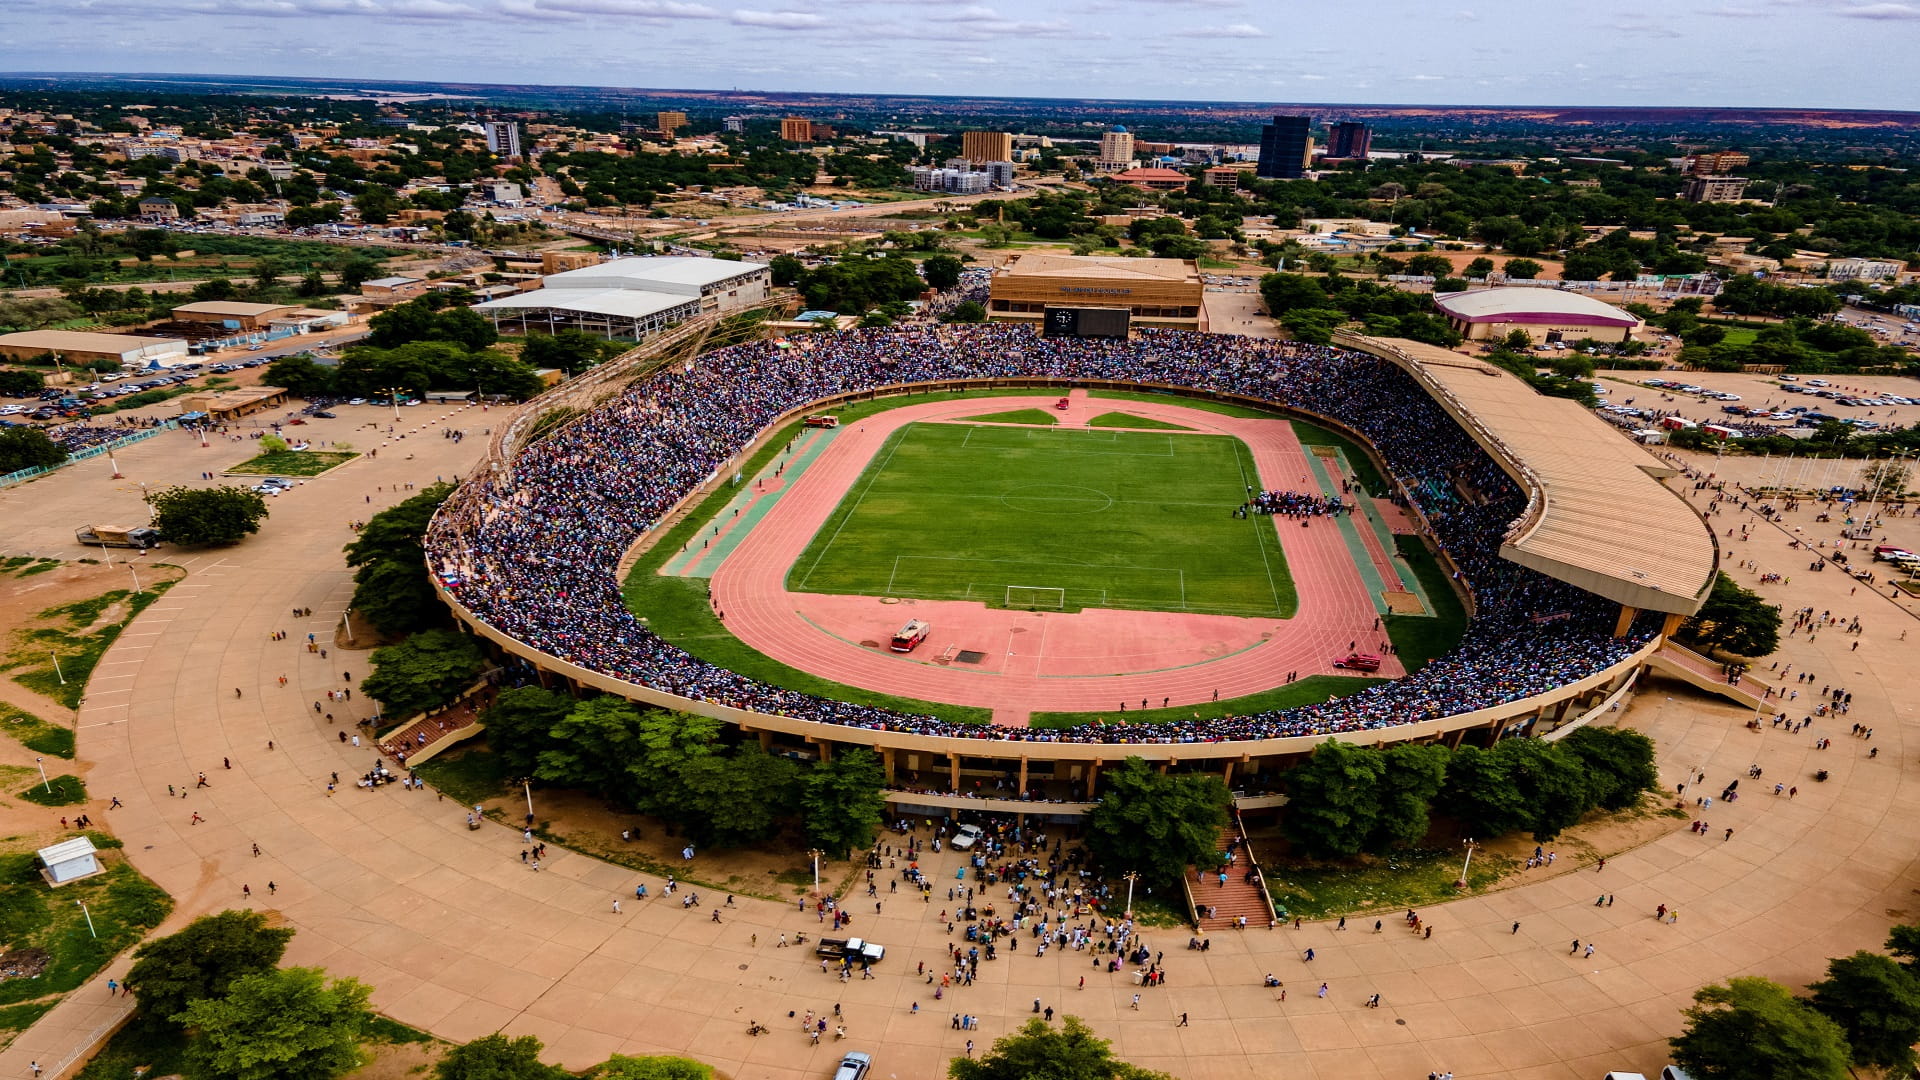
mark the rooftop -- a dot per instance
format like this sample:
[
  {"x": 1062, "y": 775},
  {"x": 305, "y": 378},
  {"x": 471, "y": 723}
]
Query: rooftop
[
  {"x": 233, "y": 308},
  {"x": 1038, "y": 265},
  {"x": 1599, "y": 517},
  {"x": 619, "y": 303},
  {"x": 661, "y": 270},
  {"x": 87, "y": 341},
  {"x": 1530, "y": 304}
]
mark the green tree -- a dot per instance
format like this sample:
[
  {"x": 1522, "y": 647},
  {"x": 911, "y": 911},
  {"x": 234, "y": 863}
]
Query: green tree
[
  {"x": 1157, "y": 824},
  {"x": 1333, "y": 799},
  {"x": 520, "y": 725},
  {"x": 21, "y": 384},
  {"x": 497, "y": 1057},
  {"x": 1754, "y": 1027},
  {"x": 1285, "y": 292},
  {"x": 841, "y": 801},
  {"x": 289, "y": 1022},
  {"x": 1551, "y": 783},
  {"x": 668, "y": 743},
  {"x": 1481, "y": 793},
  {"x": 1478, "y": 268},
  {"x": 203, "y": 960},
  {"x": 1522, "y": 269},
  {"x": 785, "y": 269},
  {"x": 392, "y": 588},
  {"x": 1735, "y": 619},
  {"x": 423, "y": 672},
  {"x": 218, "y": 515},
  {"x": 622, "y": 1067},
  {"x": 376, "y": 204},
  {"x": 1877, "y": 1002},
  {"x": 595, "y": 746},
  {"x": 737, "y": 799},
  {"x": 969, "y": 311},
  {"x": 1415, "y": 773},
  {"x": 301, "y": 375},
  {"x": 28, "y": 448},
  {"x": 941, "y": 271},
  {"x": 1038, "y": 1051},
  {"x": 568, "y": 350},
  {"x": 1430, "y": 265},
  {"x": 1618, "y": 763}
]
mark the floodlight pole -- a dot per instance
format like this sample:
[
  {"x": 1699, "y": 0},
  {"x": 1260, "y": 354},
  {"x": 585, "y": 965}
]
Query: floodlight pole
[
  {"x": 42, "y": 765},
  {"x": 89, "y": 915},
  {"x": 814, "y": 854}
]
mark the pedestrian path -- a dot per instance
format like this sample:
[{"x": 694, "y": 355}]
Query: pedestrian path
[{"x": 1223, "y": 904}]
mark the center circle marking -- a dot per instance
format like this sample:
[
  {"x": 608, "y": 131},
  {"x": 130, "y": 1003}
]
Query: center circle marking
[{"x": 1058, "y": 499}]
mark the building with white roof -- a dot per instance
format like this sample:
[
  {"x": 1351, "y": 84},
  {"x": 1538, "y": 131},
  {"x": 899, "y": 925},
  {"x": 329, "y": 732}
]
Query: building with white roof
[
  {"x": 633, "y": 297},
  {"x": 69, "y": 860},
  {"x": 1547, "y": 315}
]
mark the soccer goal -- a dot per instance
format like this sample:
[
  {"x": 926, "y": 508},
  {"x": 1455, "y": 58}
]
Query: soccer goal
[{"x": 1036, "y": 597}]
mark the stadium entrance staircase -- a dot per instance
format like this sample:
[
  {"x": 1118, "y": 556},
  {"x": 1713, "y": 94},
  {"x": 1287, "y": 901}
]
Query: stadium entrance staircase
[{"x": 1219, "y": 908}]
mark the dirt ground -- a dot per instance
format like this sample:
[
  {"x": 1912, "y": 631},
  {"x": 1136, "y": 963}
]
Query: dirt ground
[
  {"x": 393, "y": 1061},
  {"x": 23, "y": 598},
  {"x": 777, "y": 870}
]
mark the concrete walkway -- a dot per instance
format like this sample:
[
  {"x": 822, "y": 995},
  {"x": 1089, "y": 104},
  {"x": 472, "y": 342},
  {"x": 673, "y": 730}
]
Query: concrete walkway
[{"x": 457, "y": 936}]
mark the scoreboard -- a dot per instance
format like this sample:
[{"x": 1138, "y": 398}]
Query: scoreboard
[{"x": 1085, "y": 322}]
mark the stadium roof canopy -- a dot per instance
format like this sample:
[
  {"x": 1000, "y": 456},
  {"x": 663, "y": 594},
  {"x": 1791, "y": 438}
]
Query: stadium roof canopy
[
  {"x": 668, "y": 274},
  {"x": 1597, "y": 516},
  {"x": 1531, "y": 305},
  {"x": 617, "y": 303}
]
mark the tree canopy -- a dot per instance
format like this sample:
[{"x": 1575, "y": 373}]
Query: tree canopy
[
  {"x": 423, "y": 672},
  {"x": 1157, "y": 824},
  {"x": 1876, "y": 1001},
  {"x": 392, "y": 588},
  {"x": 199, "y": 516},
  {"x": 28, "y": 448},
  {"x": 203, "y": 959},
  {"x": 1752, "y": 1027},
  {"x": 1735, "y": 619},
  {"x": 285, "y": 1023},
  {"x": 496, "y": 1057},
  {"x": 841, "y": 801},
  {"x": 1038, "y": 1051}
]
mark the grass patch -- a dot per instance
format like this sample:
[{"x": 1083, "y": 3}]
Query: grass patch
[
  {"x": 1367, "y": 884},
  {"x": 471, "y": 776},
  {"x": 381, "y": 1029},
  {"x": 1041, "y": 417},
  {"x": 1739, "y": 335},
  {"x": 293, "y": 463},
  {"x": 1128, "y": 420},
  {"x": 757, "y": 888},
  {"x": 148, "y": 1043},
  {"x": 78, "y": 635},
  {"x": 1419, "y": 638},
  {"x": 39, "y": 566},
  {"x": 1113, "y": 519},
  {"x": 21, "y": 1017},
  {"x": 36, "y": 734},
  {"x": 1153, "y": 912},
  {"x": 124, "y": 906},
  {"x": 64, "y": 790},
  {"x": 1308, "y": 691},
  {"x": 1224, "y": 408}
]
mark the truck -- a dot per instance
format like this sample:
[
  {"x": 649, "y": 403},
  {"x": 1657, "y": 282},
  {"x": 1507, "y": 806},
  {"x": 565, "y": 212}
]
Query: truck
[
  {"x": 116, "y": 536},
  {"x": 852, "y": 948}
]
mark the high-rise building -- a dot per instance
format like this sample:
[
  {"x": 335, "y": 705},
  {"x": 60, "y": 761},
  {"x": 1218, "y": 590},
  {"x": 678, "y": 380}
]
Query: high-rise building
[
  {"x": 1711, "y": 189},
  {"x": 503, "y": 138},
  {"x": 1713, "y": 164},
  {"x": 1116, "y": 150},
  {"x": 1286, "y": 145},
  {"x": 796, "y": 129},
  {"x": 983, "y": 146},
  {"x": 999, "y": 173},
  {"x": 670, "y": 122},
  {"x": 734, "y": 125},
  {"x": 1349, "y": 140}
]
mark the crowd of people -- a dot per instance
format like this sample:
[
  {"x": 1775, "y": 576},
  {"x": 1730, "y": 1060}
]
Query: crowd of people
[
  {"x": 1297, "y": 504},
  {"x": 74, "y": 438},
  {"x": 532, "y": 549}
]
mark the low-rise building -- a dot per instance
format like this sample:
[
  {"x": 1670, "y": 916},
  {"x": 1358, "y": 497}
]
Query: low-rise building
[
  {"x": 79, "y": 346},
  {"x": 1153, "y": 179},
  {"x": 1863, "y": 269},
  {"x": 231, "y": 314},
  {"x": 1156, "y": 292}
]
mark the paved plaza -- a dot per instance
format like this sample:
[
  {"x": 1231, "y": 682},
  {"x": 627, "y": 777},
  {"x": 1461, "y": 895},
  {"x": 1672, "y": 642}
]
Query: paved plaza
[{"x": 460, "y": 938}]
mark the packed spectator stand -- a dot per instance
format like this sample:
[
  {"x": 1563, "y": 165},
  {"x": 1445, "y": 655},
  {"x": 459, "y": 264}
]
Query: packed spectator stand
[{"x": 533, "y": 551}]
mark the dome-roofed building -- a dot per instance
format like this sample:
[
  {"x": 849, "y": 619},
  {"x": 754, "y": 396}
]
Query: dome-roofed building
[{"x": 1547, "y": 315}]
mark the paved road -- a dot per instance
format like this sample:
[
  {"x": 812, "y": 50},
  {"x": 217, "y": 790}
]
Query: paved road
[{"x": 458, "y": 937}]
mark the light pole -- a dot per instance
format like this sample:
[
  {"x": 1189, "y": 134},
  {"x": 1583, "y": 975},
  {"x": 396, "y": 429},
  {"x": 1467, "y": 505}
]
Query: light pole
[
  {"x": 814, "y": 854},
  {"x": 526, "y": 783},
  {"x": 136, "y": 577},
  {"x": 393, "y": 399},
  {"x": 1131, "y": 876},
  {"x": 89, "y": 915},
  {"x": 1462, "y": 883},
  {"x": 56, "y": 669},
  {"x": 41, "y": 764}
]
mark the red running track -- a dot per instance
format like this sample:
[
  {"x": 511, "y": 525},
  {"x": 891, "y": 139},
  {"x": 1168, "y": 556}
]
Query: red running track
[{"x": 1087, "y": 661}]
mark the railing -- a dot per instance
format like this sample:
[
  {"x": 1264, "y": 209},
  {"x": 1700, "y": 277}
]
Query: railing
[
  {"x": 24, "y": 475},
  {"x": 1266, "y": 895}
]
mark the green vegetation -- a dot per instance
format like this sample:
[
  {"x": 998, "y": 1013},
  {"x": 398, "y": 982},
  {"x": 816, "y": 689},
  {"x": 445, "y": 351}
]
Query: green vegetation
[
  {"x": 1754, "y": 1027},
  {"x": 1311, "y": 690},
  {"x": 124, "y": 906},
  {"x": 1040, "y": 417},
  {"x": 1071, "y": 519},
  {"x": 292, "y": 463},
  {"x": 64, "y": 790},
  {"x": 282, "y": 1024},
  {"x": 1309, "y": 889},
  {"x": 90, "y": 627},
  {"x": 1734, "y": 619},
  {"x": 1361, "y": 462},
  {"x": 1158, "y": 823},
  {"x": 28, "y": 448},
  {"x": 1128, "y": 420},
  {"x": 36, "y": 734},
  {"x": 424, "y": 672},
  {"x": 1185, "y": 401},
  {"x": 391, "y": 587},
  {"x": 1418, "y": 639},
  {"x": 1312, "y": 308},
  {"x": 206, "y": 516},
  {"x": 469, "y": 775},
  {"x": 1038, "y": 1049},
  {"x": 204, "y": 959}
]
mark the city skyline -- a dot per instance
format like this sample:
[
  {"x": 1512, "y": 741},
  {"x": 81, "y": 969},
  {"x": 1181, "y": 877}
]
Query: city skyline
[{"x": 1704, "y": 53}]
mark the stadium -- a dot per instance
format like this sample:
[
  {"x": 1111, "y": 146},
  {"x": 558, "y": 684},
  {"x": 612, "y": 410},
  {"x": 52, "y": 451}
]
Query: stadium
[{"x": 1572, "y": 559}]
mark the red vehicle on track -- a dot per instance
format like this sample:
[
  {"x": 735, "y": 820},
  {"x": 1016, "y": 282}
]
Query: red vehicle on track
[
  {"x": 1359, "y": 662},
  {"x": 1061, "y": 404},
  {"x": 910, "y": 636}
]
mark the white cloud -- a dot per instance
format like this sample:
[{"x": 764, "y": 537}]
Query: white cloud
[
  {"x": 780, "y": 20},
  {"x": 1232, "y": 30},
  {"x": 646, "y": 9},
  {"x": 1883, "y": 11}
]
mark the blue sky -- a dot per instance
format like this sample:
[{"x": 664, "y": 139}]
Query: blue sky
[{"x": 1783, "y": 53}]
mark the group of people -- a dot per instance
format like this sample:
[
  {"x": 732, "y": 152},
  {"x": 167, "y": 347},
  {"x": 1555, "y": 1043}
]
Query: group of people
[{"x": 532, "y": 549}]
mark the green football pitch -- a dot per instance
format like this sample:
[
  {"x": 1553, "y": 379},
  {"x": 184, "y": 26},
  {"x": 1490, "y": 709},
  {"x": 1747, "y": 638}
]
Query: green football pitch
[{"x": 1053, "y": 519}]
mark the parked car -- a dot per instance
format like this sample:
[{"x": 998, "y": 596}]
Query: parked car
[
  {"x": 968, "y": 836},
  {"x": 854, "y": 1066}
]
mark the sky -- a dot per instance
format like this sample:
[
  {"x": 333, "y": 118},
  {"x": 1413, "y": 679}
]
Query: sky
[{"x": 1752, "y": 53}]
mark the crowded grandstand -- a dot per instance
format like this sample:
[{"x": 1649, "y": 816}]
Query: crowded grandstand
[{"x": 533, "y": 551}]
